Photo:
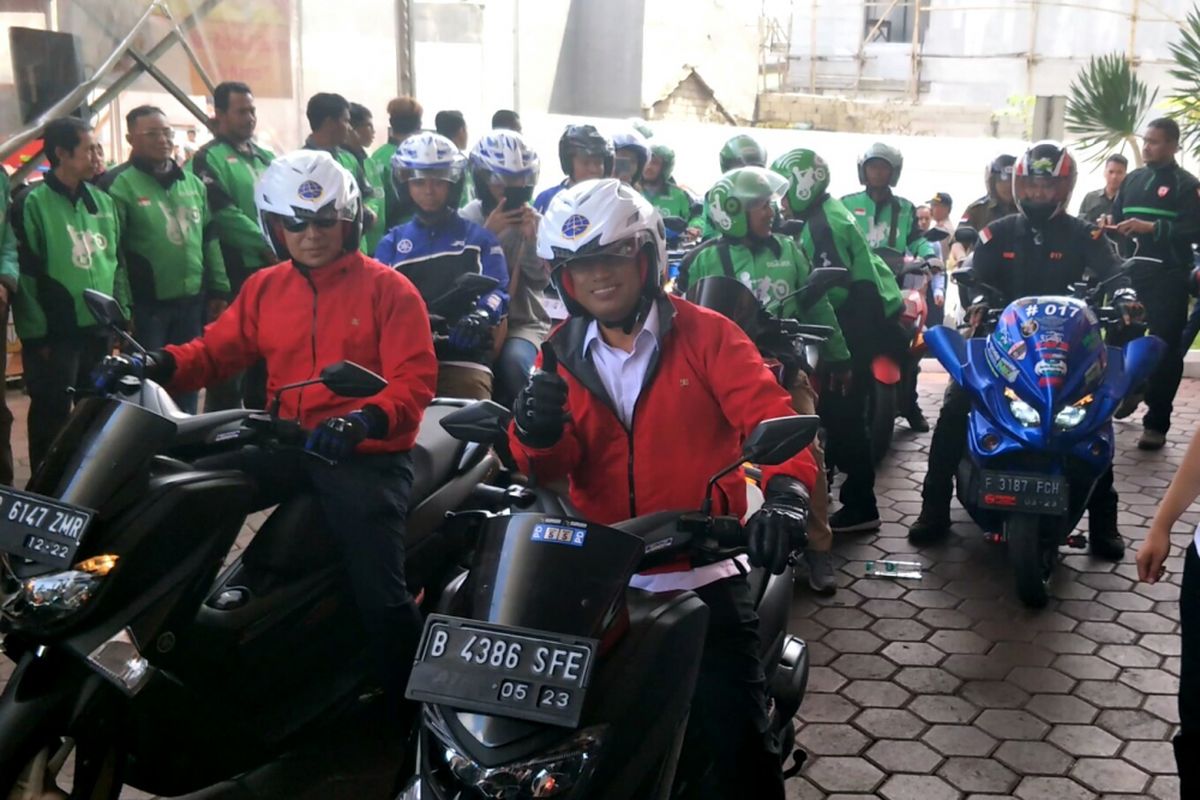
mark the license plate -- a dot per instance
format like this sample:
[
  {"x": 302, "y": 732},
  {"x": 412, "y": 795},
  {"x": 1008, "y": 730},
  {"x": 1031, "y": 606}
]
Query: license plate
[
  {"x": 501, "y": 670},
  {"x": 41, "y": 529},
  {"x": 1023, "y": 491}
]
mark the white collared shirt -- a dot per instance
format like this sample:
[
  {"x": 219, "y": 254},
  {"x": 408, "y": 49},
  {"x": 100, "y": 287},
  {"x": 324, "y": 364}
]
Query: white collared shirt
[{"x": 623, "y": 373}]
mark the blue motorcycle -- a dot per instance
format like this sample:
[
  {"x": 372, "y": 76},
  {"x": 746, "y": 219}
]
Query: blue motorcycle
[{"x": 1043, "y": 389}]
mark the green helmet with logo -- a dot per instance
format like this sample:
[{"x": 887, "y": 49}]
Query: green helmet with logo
[
  {"x": 667, "y": 155},
  {"x": 807, "y": 175},
  {"x": 742, "y": 151},
  {"x": 727, "y": 200}
]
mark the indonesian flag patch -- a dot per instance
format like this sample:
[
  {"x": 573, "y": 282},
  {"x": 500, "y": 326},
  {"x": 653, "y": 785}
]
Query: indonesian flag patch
[
  {"x": 143, "y": 201},
  {"x": 985, "y": 235}
]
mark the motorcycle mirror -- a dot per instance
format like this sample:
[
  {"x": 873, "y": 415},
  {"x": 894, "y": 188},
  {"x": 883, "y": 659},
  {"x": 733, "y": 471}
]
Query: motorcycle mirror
[
  {"x": 774, "y": 441},
  {"x": 964, "y": 276},
  {"x": 936, "y": 234},
  {"x": 966, "y": 236},
  {"x": 820, "y": 281},
  {"x": 475, "y": 283},
  {"x": 482, "y": 422},
  {"x": 105, "y": 309},
  {"x": 347, "y": 379},
  {"x": 916, "y": 269},
  {"x": 791, "y": 227},
  {"x": 675, "y": 224}
]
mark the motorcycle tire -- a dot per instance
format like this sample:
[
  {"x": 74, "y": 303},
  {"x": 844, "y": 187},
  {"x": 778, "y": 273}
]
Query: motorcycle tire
[
  {"x": 881, "y": 419},
  {"x": 97, "y": 774},
  {"x": 1032, "y": 559}
]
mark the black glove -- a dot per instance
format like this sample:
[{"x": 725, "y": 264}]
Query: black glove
[
  {"x": 157, "y": 366},
  {"x": 336, "y": 437},
  {"x": 778, "y": 529},
  {"x": 540, "y": 410},
  {"x": 473, "y": 331}
]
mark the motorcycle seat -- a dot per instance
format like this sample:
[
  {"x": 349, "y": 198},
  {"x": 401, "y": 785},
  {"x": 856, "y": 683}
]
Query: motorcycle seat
[
  {"x": 757, "y": 579},
  {"x": 293, "y": 540},
  {"x": 436, "y": 454}
]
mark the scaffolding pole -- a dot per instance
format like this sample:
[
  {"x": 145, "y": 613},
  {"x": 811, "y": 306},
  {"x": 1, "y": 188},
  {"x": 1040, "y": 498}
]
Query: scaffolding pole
[{"x": 916, "y": 52}]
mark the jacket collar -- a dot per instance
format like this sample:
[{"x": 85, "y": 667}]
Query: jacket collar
[
  {"x": 332, "y": 272},
  {"x": 81, "y": 192},
  {"x": 568, "y": 343},
  {"x": 164, "y": 179},
  {"x": 251, "y": 150}
]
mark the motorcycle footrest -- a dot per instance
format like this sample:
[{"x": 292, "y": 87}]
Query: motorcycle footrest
[{"x": 798, "y": 759}]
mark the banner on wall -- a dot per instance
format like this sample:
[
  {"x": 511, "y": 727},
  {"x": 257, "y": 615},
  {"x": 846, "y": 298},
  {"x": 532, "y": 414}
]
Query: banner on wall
[{"x": 243, "y": 40}]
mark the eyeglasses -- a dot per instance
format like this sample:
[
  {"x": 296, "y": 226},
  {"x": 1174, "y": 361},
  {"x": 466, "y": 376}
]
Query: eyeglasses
[
  {"x": 159, "y": 133},
  {"x": 294, "y": 225}
]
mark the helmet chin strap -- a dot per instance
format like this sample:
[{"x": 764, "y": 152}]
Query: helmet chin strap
[{"x": 632, "y": 319}]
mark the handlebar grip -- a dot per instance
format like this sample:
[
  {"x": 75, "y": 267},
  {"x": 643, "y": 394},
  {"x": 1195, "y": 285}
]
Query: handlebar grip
[{"x": 728, "y": 532}]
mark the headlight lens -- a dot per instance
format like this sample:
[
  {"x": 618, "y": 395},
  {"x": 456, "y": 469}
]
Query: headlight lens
[
  {"x": 1024, "y": 413},
  {"x": 49, "y": 598},
  {"x": 553, "y": 774},
  {"x": 1070, "y": 417}
]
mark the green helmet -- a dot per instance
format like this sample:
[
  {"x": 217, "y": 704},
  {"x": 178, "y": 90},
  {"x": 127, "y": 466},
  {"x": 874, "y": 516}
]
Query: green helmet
[
  {"x": 668, "y": 158},
  {"x": 726, "y": 201},
  {"x": 742, "y": 151},
  {"x": 807, "y": 175},
  {"x": 886, "y": 153}
]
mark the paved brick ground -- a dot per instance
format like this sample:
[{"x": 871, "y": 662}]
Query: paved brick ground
[{"x": 947, "y": 689}]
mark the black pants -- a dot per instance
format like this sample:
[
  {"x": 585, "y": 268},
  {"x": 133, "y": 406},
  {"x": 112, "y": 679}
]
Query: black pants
[
  {"x": 51, "y": 368},
  {"x": 364, "y": 502},
  {"x": 848, "y": 448},
  {"x": 946, "y": 451},
  {"x": 1187, "y": 742},
  {"x": 1165, "y": 297},
  {"x": 730, "y": 706}
]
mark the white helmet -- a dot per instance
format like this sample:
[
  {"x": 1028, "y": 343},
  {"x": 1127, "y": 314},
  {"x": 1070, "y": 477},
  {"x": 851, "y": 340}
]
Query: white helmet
[
  {"x": 504, "y": 158},
  {"x": 630, "y": 139},
  {"x": 429, "y": 155},
  {"x": 599, "y": 217},
  {"x": 304, "y": 185}
]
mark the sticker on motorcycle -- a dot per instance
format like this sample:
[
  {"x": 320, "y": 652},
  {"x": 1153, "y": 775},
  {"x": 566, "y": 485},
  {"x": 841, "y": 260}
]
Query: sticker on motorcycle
[
  {"x": 1000, "y": 364},
  {"x": 1017, "y": 351},
  {"x": 1093, "y": 373},
  {"x": 1053, "y": 340},
  {"x": 559, "y": 534},
  {"x": 1051, "y": 368},
  {"x": 1029, "y": 327}
]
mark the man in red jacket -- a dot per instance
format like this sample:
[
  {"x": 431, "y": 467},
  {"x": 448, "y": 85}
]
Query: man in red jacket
[
  {"x": 657, "y": 395},
  {"x": 325, "y": 303}
]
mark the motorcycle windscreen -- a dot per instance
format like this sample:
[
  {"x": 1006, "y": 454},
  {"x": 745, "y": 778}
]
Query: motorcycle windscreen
[
  {"x": 549, "y": 573},
  {"x": 729, "y": 298},
  {"x": 104, "y": 444},
  {"x": 435, "y": 278}
]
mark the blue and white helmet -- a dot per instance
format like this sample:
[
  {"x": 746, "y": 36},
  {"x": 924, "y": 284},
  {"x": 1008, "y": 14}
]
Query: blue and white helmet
[
  {"x": 303, "y": 185},
  {"x": 504, "y": 156},
  {"x": 429, "y": 155},
  {"x": 630, "y": 163}
]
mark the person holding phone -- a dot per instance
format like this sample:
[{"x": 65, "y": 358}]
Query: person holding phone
[{"x": 504, "y": 170}]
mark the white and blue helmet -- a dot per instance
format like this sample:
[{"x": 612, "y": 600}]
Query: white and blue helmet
[
  {"x": 629, "y": 164},
  {"x": 429, "y": 155},
  {"x": 503, "y": 155},
  {"x": 303, "y": 185}
]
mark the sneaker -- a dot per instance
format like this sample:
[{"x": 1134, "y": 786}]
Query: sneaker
[
  {"x": 849, "y": 519},
  {"x": 1107, "y": 544},
  {"x": 1128, "y": 406},
  {"x": 917, "y": 422},
  {"x": 1152, "y": 440},
  {"x": 821, "y": 578},
  {"x": 929, "y": 529}
]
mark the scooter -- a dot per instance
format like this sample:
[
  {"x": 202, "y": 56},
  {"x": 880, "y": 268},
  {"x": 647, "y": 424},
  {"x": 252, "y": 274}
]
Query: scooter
[
  {"x": 543, "y": 674},
  {"x": 1043, "y": 391},
  {"x": 135, "y": 648}
]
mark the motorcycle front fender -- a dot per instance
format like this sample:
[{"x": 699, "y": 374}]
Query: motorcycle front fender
[
  {"x": 885, "y": 370},
  {"x": 950, "y": 349}
]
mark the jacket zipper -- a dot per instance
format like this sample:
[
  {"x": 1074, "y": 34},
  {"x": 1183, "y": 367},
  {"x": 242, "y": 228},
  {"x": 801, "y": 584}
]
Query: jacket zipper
[{"x": 300, "y": 398}]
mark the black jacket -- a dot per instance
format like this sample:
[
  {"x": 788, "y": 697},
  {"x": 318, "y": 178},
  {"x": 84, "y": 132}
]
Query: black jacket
[
  {"x": 1169, "y": 197},
  {"x": 1023, "y": 262}
]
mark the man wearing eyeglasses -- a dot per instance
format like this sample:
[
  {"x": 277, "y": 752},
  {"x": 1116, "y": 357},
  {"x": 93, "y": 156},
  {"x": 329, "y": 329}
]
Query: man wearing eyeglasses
[{"x": 169, "y": 246}]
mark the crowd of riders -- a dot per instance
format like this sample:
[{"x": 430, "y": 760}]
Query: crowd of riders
[{"x": 431, "y": 261}]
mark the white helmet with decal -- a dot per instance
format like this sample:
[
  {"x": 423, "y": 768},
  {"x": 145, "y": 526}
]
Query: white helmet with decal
[{"x": 306, "y": 185}]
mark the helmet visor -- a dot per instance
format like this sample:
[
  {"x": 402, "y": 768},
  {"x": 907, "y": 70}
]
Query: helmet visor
[
  {"x": 589, "y": 255},
  {"x": 625, "y": 166},
  {"x": 449, "y": 174},
  {"x": 1043, "y": 190}
]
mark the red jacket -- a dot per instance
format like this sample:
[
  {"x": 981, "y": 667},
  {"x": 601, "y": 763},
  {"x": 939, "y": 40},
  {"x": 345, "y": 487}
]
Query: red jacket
[
  {"x": 301, "y": 321},
  {"x": 705, "y": 391}
]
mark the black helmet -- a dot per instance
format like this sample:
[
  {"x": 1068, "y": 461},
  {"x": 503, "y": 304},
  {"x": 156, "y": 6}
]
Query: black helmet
[
  {"x": 999, "y": 170},
  {"x": 1043, "y": 180},
  {"x": 586, "y": 140}
]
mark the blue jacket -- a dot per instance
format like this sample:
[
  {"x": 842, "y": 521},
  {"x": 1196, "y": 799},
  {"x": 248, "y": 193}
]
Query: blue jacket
[
  {"x": 409, "y": 246},
  {"x": 542, "y": 201}
]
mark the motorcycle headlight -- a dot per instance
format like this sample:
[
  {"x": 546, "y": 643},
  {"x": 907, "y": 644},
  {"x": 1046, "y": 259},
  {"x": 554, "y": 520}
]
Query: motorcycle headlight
[
  {"x": 1024, "y": 413},
  {"x": 1072, "y": 416},
  {"x": 46, "y": 599},
  {"x": 552, "y": 774}
]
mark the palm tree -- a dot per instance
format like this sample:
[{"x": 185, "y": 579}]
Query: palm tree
[
  {"x": 1106, "y": 105},
  {"x": 1186, "y": 99}
]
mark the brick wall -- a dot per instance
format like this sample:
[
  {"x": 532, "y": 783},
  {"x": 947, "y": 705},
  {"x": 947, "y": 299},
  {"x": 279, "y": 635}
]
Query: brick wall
[{"x": 828, "y": 113}]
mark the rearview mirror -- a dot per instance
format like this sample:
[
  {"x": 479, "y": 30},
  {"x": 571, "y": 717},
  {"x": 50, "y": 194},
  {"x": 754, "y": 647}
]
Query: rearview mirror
[
  {"x": 482, "y": 422},
  {"x": 475, "y": 283},
  {"x": 347, "y": 379},
  {"x": 791, "y": 227},
  {"x": 936, "y": 234},
  {"x": 820, "y": 281},
  {"x": 966, "y": 235},
  {"x": 105, "y": 309},
  {"x": 774, "y": 441},
  {"x": 963, "y": 276},
  {"x": 675, "y": 224}
]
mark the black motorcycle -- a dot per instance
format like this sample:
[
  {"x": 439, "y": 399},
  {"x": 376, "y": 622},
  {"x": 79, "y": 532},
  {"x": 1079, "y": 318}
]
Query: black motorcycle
[
  {"x": 543, "y": 674},
  {"x": 136, "y": 647}
]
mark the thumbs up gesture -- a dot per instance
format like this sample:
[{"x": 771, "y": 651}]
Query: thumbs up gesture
[{"x": 540, "y": 409}]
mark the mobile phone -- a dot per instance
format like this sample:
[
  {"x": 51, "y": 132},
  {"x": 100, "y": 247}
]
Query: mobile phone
[{"x": 516, "y": 196}]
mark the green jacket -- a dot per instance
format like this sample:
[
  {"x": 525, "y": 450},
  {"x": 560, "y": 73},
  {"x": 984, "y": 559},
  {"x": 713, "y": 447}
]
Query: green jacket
[
  {"x": 9, "y": 271},
  {"x": 892, "y": 225},
  {"x": 358, "y": 169},
  {"x": 229, "y": 174},
  {"x": 167, "y": 239},
  {"x": 773, "y": 270},
  {"x": 831, "y": 238},
  {"x": 375, "y": 201},
  {"x": 673, "y": 202},
  {"x": 66, "y": 243}
]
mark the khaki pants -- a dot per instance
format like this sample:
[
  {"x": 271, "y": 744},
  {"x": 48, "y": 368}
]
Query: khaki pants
[
  {"x": 455, "y": 380},
  {"x": 820, "y": 537}
]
